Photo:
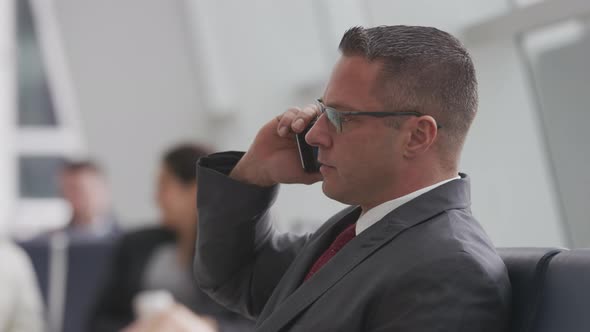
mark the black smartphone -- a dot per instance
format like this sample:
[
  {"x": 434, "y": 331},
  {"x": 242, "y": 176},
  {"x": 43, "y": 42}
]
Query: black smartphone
[{"x": 307, "y": 153}]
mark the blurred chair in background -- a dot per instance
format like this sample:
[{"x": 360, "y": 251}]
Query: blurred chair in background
[
  {"x": 160, "y": 258},
  {"x": 21, "y": 309}
]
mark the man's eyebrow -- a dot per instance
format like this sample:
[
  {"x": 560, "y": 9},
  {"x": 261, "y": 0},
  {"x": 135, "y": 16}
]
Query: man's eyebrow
[{"x": 339, "y": 107}]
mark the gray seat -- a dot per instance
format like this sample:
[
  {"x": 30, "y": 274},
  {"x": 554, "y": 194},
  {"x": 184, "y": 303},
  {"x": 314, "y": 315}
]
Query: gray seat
[
  {"x": 527, "y": 270},
  {"x": 565, "y": 305}
]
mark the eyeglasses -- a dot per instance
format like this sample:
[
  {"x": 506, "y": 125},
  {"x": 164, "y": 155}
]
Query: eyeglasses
[{"x": 337, "y": 117}]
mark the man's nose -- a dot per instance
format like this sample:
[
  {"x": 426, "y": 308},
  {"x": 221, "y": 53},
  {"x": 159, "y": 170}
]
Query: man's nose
[{"x": 319, "y": 134}]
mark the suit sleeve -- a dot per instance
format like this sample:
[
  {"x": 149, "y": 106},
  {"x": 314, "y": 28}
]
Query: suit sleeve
[
  {"x": 454, "y": 294},
  {"x": 240, "y": 257}
]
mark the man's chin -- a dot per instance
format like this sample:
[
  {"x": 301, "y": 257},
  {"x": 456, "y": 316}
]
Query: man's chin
[
  {"x": 326, "y": 189},
  {"x": 334, "y": 194}
]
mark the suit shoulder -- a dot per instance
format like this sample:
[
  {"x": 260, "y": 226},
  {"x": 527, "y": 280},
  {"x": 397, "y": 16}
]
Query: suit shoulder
[{"x": 454, "y": 237}]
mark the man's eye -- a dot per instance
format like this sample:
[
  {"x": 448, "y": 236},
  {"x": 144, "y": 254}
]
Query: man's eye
[{"x": 346, "y": 118}]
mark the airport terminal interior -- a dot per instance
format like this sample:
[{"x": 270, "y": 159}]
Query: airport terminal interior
[{"x": 99, "y": 98}]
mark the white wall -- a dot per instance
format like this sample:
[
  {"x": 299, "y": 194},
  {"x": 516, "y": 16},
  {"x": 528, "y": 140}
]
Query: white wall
[
  {"x": 563, "y": 80},
  {"x": 132, "y": 67},
  {"x": 512, "y": 191}
]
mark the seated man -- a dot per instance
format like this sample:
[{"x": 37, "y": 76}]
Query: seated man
[
  {"x": 407, "y": 255},
  {"x": 79, "y": 250}
]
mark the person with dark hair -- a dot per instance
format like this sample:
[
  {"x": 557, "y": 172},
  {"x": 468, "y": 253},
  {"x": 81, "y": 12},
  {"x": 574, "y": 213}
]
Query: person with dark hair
[
  {"x": 155, "y": 263},
  {"x": 407, "y": 255},
  {"x": 85, "y": 189}
]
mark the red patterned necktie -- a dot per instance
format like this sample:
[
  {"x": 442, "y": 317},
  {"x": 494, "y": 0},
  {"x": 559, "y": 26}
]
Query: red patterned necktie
[{"x": 340, "y": 241}]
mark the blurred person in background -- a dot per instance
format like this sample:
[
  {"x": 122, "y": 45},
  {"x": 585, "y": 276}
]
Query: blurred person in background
[
  {"x": 21, "y": 309},
  {"x": 160, "y": 258},
  {"x": 85, "y": 188},
  {"x": 71, "y": 261}
]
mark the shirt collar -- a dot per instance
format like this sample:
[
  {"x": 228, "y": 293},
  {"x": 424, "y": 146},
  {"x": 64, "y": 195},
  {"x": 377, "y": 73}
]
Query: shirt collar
[{"x": 378, "y": 212}]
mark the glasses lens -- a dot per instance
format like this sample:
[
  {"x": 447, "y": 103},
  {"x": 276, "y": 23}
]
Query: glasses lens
[
  {"x": 334, "y": 118},
  {"x": 332, "y": 115}
]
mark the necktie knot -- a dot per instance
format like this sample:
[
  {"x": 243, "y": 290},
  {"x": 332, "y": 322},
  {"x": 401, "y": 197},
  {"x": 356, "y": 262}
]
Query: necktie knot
[{"x": 339, "y": 242}]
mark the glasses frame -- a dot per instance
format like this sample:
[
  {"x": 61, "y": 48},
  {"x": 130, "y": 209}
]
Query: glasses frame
[{"x": 335, "y": 116}]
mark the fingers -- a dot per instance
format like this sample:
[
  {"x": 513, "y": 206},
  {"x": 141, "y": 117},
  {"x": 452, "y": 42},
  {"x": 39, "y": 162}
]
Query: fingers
[{"x": 295, "y": 120}]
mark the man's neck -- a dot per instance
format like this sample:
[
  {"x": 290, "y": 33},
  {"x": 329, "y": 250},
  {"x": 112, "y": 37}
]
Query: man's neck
[
  {"x": 408, "y": 185},
  {"x": 84, "y": 220},
  {"x": 186, "y": 243}
]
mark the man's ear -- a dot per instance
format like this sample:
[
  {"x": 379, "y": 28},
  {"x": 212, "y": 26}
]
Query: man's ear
[{"x": 422, "y": 136}]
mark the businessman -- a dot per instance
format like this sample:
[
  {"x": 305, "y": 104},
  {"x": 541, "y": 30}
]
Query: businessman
[{"x": 407, "y": 255}]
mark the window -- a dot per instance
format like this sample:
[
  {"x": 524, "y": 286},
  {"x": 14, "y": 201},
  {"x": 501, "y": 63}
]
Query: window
[{"x": 46, "y": 126}]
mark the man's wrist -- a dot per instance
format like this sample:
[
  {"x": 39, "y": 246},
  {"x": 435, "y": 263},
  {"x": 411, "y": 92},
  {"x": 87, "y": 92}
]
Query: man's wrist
[{"x": 249, "y": 172}]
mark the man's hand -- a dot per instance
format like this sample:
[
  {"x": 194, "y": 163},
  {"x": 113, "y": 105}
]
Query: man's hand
[
  {"x": 175, "y": 319},
  {"x": 273, "y": 157}
]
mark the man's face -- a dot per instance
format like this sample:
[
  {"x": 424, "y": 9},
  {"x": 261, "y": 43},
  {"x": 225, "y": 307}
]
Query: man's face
[
  {"x": 86, "y": 192},
  {"x": 361, "y": 163},
  {"x": 176, "y": 200}
]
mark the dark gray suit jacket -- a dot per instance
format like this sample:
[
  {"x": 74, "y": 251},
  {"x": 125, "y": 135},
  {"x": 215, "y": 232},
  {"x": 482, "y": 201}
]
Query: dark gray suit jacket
[{"x": 426, "y": 266}]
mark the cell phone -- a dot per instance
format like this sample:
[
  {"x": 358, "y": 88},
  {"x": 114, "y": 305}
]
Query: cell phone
[{"x": 307, "y": 153}]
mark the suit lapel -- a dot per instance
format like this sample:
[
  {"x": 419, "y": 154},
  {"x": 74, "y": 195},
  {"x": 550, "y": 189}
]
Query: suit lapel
[
  {"x": 320, "y": 241},
  {"x": 296, "y": 297},
  {"x": 357, "y": 250}
]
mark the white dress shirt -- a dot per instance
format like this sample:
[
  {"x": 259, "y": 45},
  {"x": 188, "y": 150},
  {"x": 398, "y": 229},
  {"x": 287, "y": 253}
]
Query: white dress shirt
[{"x": 377, "y": 213}]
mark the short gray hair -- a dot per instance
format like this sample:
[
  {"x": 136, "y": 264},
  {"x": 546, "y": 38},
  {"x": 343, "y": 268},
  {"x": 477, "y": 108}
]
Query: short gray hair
[{"x": 424, "y": 69}]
